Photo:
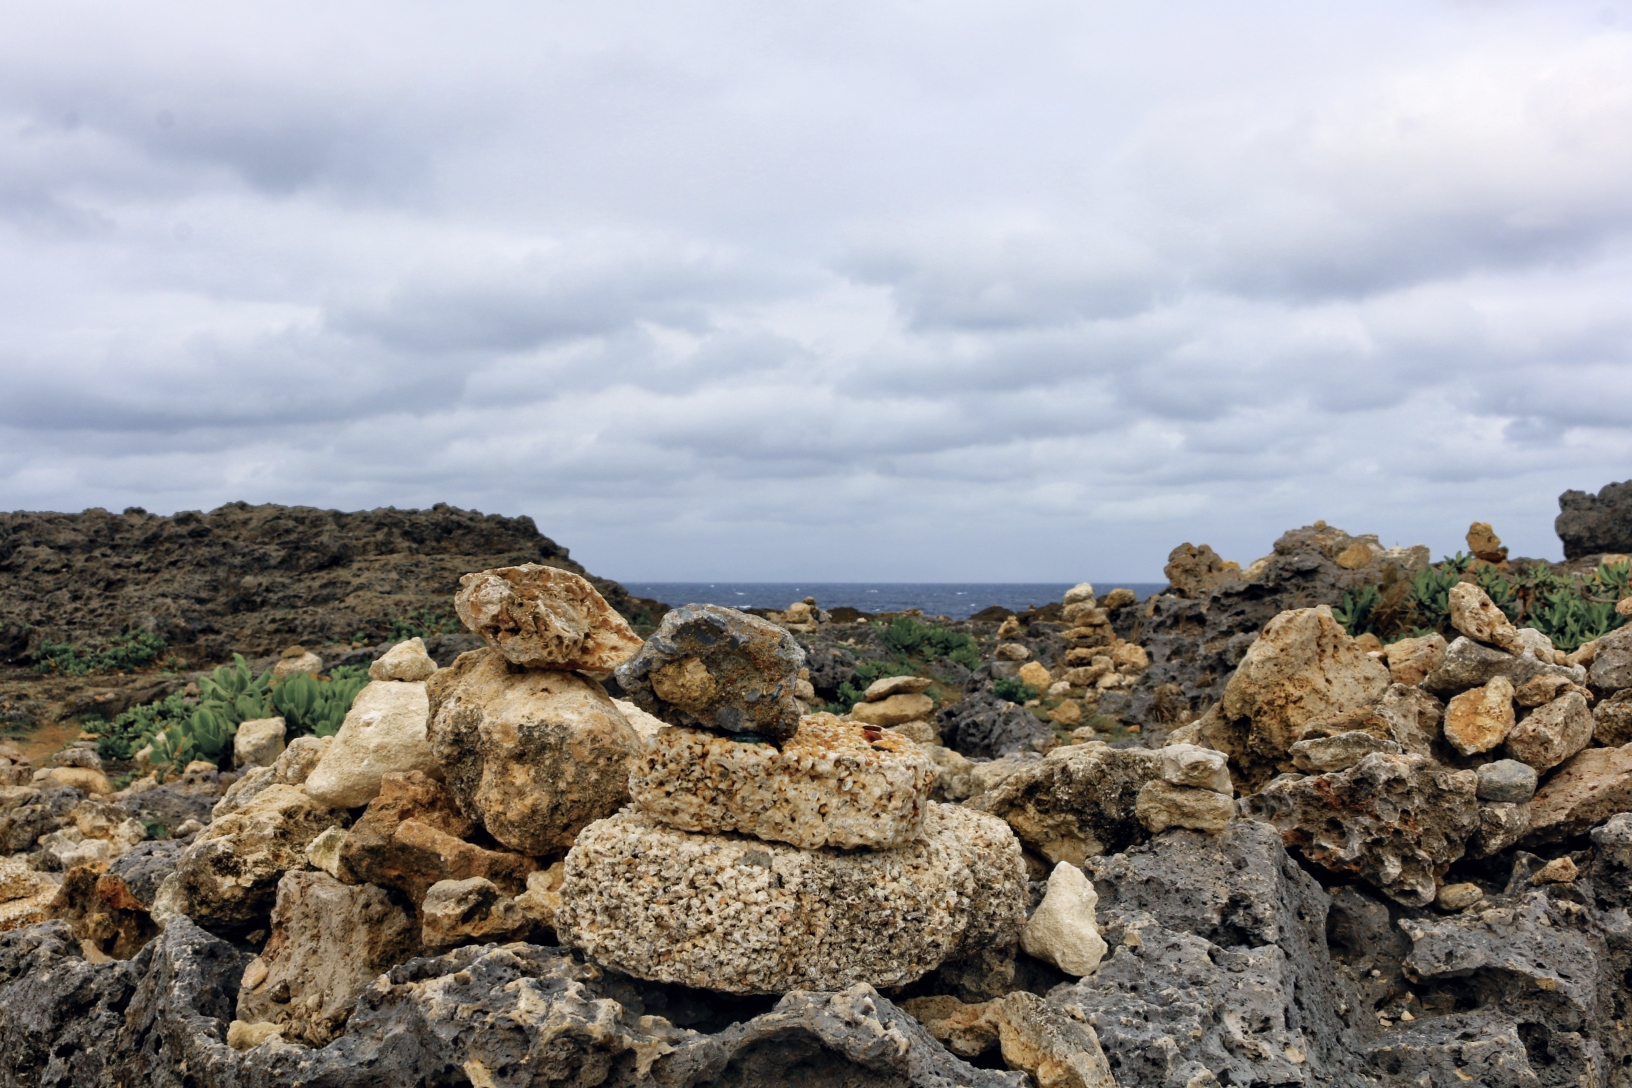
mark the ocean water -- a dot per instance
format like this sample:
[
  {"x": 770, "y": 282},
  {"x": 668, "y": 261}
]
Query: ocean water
[{"x": 959, "y": 600}]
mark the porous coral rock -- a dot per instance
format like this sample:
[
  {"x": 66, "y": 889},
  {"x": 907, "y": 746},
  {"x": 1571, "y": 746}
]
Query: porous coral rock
[
  {"x": 717, "y": 668},
  {"x": 1501, "y": 824},
  {"x": 384, "y": 733},
  {"x": 471, "y": 911},
  {"x": 1476, "y": 615},
  {"x": 1553, "y": 733},
  {"x": 545, "y": 618},
  {"x": 533, "y": 755},
  {"x": 1397, "y": 821},
  {"x": 1062, "y": 929},
  {"x": 328, "y": 942},
  {"x": 1479, "y": 719},
  {"x": 1410, "y": 660},
  {"x": 983, "y": 726},
  {"x": 1584, "y": 791},
  {"x": 828, "y": 785},
  {"x": 1076, "y": 802},
  {"x": 743, "y": 916}
]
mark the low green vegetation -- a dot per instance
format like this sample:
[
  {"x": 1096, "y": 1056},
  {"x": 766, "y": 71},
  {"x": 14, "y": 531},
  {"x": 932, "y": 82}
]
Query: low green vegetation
[
  {"x": 123, "y": 653},
  {"x": 181, "y": 729},
  {"x": 425, "y": 623},
  {"x": 914, "y": 645},
  {"x": 1568, "y": 609},
  {"x": 1013, "y": 689}
]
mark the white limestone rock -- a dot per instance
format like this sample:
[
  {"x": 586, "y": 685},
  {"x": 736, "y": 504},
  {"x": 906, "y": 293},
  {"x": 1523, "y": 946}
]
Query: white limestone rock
[
  {"x": 384, "y": 733},
  {"x": 1063, "y": 930},
  {"x": 405, "y": 661}
]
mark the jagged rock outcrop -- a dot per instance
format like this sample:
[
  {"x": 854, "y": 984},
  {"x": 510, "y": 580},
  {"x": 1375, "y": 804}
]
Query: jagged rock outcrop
[{"x": 1590, "y": 524}]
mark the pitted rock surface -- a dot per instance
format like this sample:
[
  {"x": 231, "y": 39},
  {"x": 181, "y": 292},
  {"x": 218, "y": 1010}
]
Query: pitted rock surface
[
  {"x": 543, "y": 617},
  {"x": 982, "y": 726},
  {"x": 533, "y": 755},
  {"x": 1077, "y": 802},
  {"x": 718, "y": 668}
]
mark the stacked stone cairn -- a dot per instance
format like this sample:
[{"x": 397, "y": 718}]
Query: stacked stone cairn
[{"x": 767, "y": 851}]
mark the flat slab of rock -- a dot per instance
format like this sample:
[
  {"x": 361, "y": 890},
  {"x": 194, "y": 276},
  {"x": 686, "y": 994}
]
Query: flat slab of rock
[
  {"x": 896, "y": 710},
  {"x": 384, "y": 733},
  {"x": 1395, "y": 821},
  {"x": 743, "y": 916},
  {"x": 717, "y": 668},
  {"x": 544, "y": 618},
  {"x": 1162, "y": 805},
  {"x": 533, "y": 755},
  {"x": 887, "y": 686},
  {"x": 1587, "y": 790},
  {"x": 828, "y": 785}
]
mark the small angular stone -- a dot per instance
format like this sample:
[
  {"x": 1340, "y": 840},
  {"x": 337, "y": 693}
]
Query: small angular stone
[
  {"x": 1058, "y": 1050},
  {"x": 1507, "y": 780},
  {"x": 887, "y": 686},
  {"x": 1612, "y": 660},
  {"x": 384, "y": 733},
  {"x": 1458, "y": 896},
  {"x": 742, "y": 916},
  {"x": 258, "y": 743},
  {"x": 828, "y": 785},
  {"x": 1162, "y": 805},
  {"x": 471, "y": 911},
  {"x": 1338, "y": 752},
  {"x": 1478, "y": 720},
  {"x": 405, "y": 661},
  {"x": 1612, "y": 720},
  {"x": 535, "y": 755},
  {"x": 1062, "y": 930},
  {"x": 1036, "y": 674},
  {"x": 1192, "y": 765},
  {"x": 544, "y": 618},
  {"x": 1412, "y": 659},
  {"x": 1476, "y": 615},
  {"x": 1560, "y": 870},
  {"x": 896, "y": 710},
  {"x": 1501, "y": 824},
  {"x": 1552, "y": 733},
  {"x": 1539, "y": 690},
  {"x": 718, "y": 668}
]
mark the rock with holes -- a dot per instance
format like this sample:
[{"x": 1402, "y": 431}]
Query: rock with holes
[
  {"x": 1410, "y": 660},
  {"x": 717, "y": 668},
  {"x": 1585, "y": 791},
  {"x": 1551, "y": 734},
  {"x": 544, "y": 618},
  {"x": 830, "y": 784},
  {"x": 733, "y": 914},
  {"x": 533, "y": 755},
  {"x": 471, "y": 911},
  {"x": 1077, "y": 802},
  {"x": 1481, "y": 718},
  {"x": 1469, "y": 664},
  {"x": 1476, "y": 615}
]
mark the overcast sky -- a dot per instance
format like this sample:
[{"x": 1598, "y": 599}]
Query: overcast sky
[{"x": 875, "y": 291}]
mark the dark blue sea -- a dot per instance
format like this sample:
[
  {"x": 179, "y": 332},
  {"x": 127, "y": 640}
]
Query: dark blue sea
[{"x": 958, "y": 600}]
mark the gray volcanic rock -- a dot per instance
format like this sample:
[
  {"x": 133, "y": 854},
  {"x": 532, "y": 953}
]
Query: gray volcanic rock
[
  {"x": 1589, "y": 524},
  {"x": 249, "y": 578},
  {"x": 57, "y": 1011},
  {"x": 1468, "y": 664},
  {"x": 142, "y": 869},
  {"x": 719, "y": 669},
  {"x": 26, "y": 813},
  {"x": 982, "y": 726}
]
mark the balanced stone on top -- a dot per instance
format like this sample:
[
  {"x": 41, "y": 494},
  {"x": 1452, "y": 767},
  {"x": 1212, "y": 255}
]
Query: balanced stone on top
[
  {"x": 717, "y": 668},
  {"x": 544, "y": 618},
  {"x": 833, "y": 783}
]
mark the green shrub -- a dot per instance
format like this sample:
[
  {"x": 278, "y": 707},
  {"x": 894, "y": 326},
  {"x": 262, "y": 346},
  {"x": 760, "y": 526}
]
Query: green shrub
[
  {"x": 909, "y": 637},
  {"x": 122, "y": 653},
  {"x": 1013, "y": 689},
  {"x": 125, "y": 735},
  {"x": 309, "y": 706}
]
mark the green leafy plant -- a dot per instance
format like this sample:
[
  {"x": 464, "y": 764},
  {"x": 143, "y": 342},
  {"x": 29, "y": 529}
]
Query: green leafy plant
[
  {"x": 122, "y": 653},
  {"x": 1354, "y": 610},
  {"x": 423, "y": 624},
  {"x": 121, "y": 738},
  {"x": 1013, "y": 689},
  {"x": 913, "y": 638},
  {"x": 310, "y": 706}
]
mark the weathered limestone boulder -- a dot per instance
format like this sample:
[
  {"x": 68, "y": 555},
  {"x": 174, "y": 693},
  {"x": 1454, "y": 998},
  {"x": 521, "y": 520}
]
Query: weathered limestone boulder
[
  {"x": 1551, "y": 734},
  {"x": 1585, "y": 791},
  {"x": 1612, "y": 720},
  {"x": 1058, "y": 1050},
  {"x": 413, "y": 836},
  {"x": 1339, "y": 752},
  {"x": 1410, "y": 660},
  {"x": 1479, "y": 719},
  {"x": 291, "y": 768},
  {"x": 25, "y": 895},
  {"x": 1612, "y": 663},
  {"x": 1192, "y": 765},
  {"x": 544, "y": 618},
  {"x": 471, "y": 911},
  {"x": 1036, "y": 674},
  {"x": 896, "y": 710},
  {"x": 886, "y": 686},
  {"x": 1395, "y": 821},
  {"x": 384, "y": 733},
  {"x": 1076, "y": 802},
  {"x": 1507, "y": 780},
  {"x": 719, "y": 669},
  {"x": 1476, "y": 615},
  {"x": 1303, "y": 667},
  {"x": 296, "y": 659},
  {"x": 1469, "y": 664},
  {"x": 1062, "y": 930},
  {"x": 1161, "y": 805},
  {"x": 228, "y": 877},
  {"x": 329, "y": 941},
  {"x": 734, "y": 914},
  {"x": 406, "y": 661},
  {"x": 1540, "y": 690},
  {"x": 828, "y": 785},
  {"x": 533, "y": 755},
  {"x": 258, "y": 743}
]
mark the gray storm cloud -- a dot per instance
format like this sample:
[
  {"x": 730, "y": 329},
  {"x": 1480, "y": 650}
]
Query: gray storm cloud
[{"x": 970, "y": 291}]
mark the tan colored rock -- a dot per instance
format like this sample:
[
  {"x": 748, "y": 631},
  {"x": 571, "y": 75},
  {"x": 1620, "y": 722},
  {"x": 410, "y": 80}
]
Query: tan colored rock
[
  {"x": 544, "y": 618},
  {"x": 1082, "y": 591},
  {"x": 329, "y": 941},
  {"x": 1410, "y": 660},
  {"x": 535, "y": 755},
  {"x": 1481, "y": 718},
  {"x": 1612, "y": 720},
  {"x": 1543, "y": 689},
  {"x": 1339, "y": 751},
  {"x": 828, "y": 785},
  {"x": 384, "y": 733},
  {"x": 407, "y": 661},
  {"x": 258, "y": 743},
  {"x": 246, "y": 1036},
  {"x": 229, "y": 875},
  {"x": 543, "y": 895},
  {"x": 1130, "y": 657},
  {"x": 19, "y": 880},
  {"x": 954, "y": 775},
  {"x": 923, "y": 733},
  {"x": 1552, "y": 733},
  {"x": 1485, "y": 544},
  {"x": 1195, "y": 572},
  {"x": 412, "y": 836},
  {"x": 1084, "y": 676},
  {"x": 966, "y": 1030},
  {"x": 1583, "y": 654},
  {"x": 469, "y": 911},
  {"x": 1561, "y": 870},
  {"x": 1191, "y": 765},
  {"x": 1302, "y": 668},
  {"x": 323, "y": 852},
  {"x": 80, "y": 778},
  {"x": 1585, "y": 791},
  {"x": 1119, "y": 598},
  {"x": 896, "y": 710},
  {"x": 743, "y": 916},
  {"x": 886, "y": 686},
  {"x": 1162, "y": 805},
  {"x": 1063, "y": 930},
  {"x": 296, "y": 659},
  {"x": 1476, "y": 615},
  {"x": 1075, "y": 803},
  {"x": 1036, "y": 674},
  {"x": 1067, "y": 714},
  {"x": 1057, "y": 1050},
  {"x": 1458, "y": 896},
  {"x": 1012, "y": 651}
]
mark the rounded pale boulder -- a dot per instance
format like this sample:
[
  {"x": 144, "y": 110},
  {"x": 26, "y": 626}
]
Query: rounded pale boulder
[
  {"x": 404, "y": 661},
  {"x": 544, "y": 618},
  {"x": 896, "y": 710},
  {"x": 1063, "y": 930},
  {"x": 384, "y": 733},
  {"x": 534, "y": 755},
  {"x": 258, "y": 743}
]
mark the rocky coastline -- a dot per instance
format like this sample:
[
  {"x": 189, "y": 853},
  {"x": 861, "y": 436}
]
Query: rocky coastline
[{"x": 1339, "y": 816}]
